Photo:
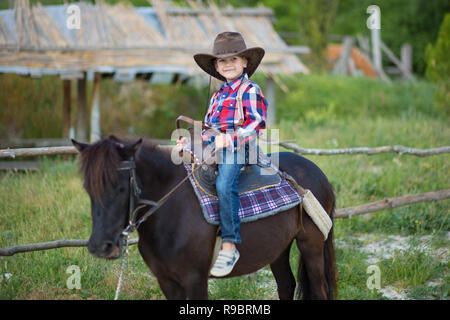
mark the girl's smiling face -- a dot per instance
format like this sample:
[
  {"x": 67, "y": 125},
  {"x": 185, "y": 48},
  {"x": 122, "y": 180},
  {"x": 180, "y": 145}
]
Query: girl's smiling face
[{"x": 230, "y": 68}]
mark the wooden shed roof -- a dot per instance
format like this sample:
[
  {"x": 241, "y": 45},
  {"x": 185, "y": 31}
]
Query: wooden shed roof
[{"x": 35, "y": 39}]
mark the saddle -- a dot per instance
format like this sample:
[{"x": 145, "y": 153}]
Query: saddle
[
  {"x": 255, "y": 201},
  {"x": 253, "y": 177}
]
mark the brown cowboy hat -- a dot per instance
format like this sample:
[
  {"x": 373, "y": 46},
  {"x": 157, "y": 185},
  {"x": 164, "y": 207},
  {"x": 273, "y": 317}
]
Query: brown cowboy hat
[{"x": 229, "y": 44}]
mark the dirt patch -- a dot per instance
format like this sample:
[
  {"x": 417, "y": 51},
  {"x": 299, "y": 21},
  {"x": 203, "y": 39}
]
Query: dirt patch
[
  {"x": 384, "y": 247},
  {"x": 379, "y": 247}
]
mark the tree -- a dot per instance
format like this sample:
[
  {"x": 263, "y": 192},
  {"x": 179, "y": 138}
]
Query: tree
[
  {"x": 316, "y": 20},
  {"x": 402, "y": 21},
  {"x": 438, "y": 65}
]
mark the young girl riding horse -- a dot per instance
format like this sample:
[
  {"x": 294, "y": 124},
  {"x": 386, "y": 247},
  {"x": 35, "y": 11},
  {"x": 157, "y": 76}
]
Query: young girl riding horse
[{"x": 232, "y": 62}]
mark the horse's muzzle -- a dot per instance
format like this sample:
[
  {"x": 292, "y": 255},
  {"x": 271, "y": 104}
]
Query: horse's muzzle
[{"x": 105, "y": 249}]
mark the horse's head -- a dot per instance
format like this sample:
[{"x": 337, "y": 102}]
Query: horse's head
[{"x": 109, "y": 190}]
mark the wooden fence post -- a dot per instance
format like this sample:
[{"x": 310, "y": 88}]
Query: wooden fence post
[
  {"x": 406, "y": 57},
  {"x": 406, "y": 73},
  {"x": 376, "y": 50},
  {"x": 342, "y": 64},
  {"x": 270, "y": 92},
  {"x": 66, "y": 122},
  {"x": 95, "y": 112},
  {"x": 82, "y": 112}
]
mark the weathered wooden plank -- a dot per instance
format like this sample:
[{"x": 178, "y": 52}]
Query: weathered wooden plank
[
  {"x": 390, "y": 203},
  {"x": 49, "y": 245}
]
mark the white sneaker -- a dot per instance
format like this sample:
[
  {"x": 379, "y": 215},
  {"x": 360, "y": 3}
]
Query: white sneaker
[{"x": 225, "y": 263}]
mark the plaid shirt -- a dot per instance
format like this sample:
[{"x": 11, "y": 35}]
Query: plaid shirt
[{"x": 222, "y": 110}]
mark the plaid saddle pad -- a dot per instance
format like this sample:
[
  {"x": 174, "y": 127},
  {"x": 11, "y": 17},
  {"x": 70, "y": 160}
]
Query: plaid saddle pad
[{"x": 253, "y": 205}]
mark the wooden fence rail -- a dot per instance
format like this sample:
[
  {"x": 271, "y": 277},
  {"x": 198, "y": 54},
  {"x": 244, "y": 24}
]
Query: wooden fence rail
[
  {"x": 387, "y": 203},
  {"x": 71, "y": 243},
  {"x": 390, "y": 203},
  {"x": 33, "y": 152},
  {"x": 369, "y": 151},
  {"x": 45, "y": 151}
]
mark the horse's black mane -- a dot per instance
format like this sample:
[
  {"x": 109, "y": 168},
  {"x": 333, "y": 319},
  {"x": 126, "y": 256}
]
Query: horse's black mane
[{"x": 100, "y": 160}]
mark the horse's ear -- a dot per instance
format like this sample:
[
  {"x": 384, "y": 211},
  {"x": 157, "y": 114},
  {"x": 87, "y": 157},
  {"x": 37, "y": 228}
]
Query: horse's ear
[
  {"x": 128, "y": 151},
  {"x": 135, "y": 146},
  {"x": 79, "y": 145},
  {"x": 113, "y": 137}
]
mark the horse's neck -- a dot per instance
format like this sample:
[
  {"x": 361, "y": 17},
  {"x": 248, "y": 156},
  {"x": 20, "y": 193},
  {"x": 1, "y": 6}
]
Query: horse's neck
[{"x": 156, "y": 173}]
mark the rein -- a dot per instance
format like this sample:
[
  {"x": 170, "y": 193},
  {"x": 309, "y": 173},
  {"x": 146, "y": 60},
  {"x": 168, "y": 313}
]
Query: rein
[{"x": 135, "y": 192}]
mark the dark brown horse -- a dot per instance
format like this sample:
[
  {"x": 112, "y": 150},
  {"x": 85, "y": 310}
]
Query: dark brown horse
[{"x": 177, "y": 243}]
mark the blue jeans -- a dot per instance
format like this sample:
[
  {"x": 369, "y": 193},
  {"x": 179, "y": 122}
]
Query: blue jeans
[{"x": 227, "y": 192}]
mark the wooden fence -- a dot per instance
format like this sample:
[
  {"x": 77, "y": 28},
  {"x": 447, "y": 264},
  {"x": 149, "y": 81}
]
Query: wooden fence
[
  {"x": 47, "y": 151},
  {"x": 387, "y": 203}
]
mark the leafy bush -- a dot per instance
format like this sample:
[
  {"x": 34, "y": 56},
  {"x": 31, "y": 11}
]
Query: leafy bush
[
  {"x": 438, "y": 65},
  {"x": 413, "y": 21},
  {"x": 316, "y": 99}
]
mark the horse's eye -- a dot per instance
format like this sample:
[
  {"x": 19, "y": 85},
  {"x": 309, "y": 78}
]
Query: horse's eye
[{"x": 121, "y": 189}]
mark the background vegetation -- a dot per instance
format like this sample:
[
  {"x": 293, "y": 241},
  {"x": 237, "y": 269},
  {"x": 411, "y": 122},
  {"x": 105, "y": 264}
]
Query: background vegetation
[{"x": 438, "y": 66}]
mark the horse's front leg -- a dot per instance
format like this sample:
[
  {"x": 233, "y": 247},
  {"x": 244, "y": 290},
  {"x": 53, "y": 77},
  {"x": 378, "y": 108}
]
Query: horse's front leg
[
  {"x": 192, "y": 285},
  {"x": 197, "y": 286},
  {"x": 172, "y": 289}
]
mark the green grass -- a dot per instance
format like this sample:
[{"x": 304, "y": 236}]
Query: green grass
[
  {"x": 353, "y": 276},
  {"x": 410, "y": 268}
]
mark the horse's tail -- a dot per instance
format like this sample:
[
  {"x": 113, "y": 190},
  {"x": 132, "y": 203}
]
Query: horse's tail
[
  {"x": 330, "y": 264},
  {"x": 303, "y": 291}
]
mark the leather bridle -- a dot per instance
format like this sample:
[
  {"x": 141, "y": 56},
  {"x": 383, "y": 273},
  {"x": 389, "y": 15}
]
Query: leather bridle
[{"x": 135, "y": 192}]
